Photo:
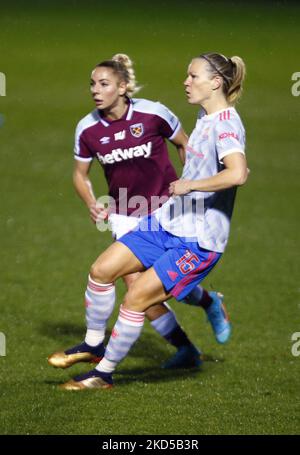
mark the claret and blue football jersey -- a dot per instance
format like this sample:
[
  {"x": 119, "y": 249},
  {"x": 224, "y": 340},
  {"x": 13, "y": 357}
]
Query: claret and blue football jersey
[{"x": 132, "y": 150}]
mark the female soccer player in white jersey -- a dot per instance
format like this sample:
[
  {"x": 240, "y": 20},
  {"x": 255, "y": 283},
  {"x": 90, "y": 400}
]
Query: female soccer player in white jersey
[{"x": 127, "y": 136}]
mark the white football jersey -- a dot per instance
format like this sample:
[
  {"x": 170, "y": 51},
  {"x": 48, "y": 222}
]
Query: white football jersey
[{"x": 205, "y": 216}]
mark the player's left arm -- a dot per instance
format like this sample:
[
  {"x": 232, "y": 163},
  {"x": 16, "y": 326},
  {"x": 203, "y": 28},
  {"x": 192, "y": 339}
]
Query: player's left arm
[
  {"x": 234, "y": 174},
  {"x": 180, "y": 141},
  {"x": 171, "y": 129}
]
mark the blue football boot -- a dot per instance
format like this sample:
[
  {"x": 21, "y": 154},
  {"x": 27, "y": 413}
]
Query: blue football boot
[
  {"x": 218, "y": 318},
  {"x": 186, "y": 357}
]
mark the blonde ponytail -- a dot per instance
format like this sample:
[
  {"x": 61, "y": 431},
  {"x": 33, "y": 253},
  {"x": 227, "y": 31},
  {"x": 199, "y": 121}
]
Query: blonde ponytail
[
  {"x": 127, "y": 64},
  {"x": 236, "y": 87},
  {"x": 232, "y": 70}
]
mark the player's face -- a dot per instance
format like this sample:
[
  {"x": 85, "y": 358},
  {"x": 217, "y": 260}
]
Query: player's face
[
  {"x": 199, "y": 84},
  {"x": 106, "y": 88}
]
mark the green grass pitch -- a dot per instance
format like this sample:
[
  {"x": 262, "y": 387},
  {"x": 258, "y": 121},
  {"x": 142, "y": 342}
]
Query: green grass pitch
[{"x": 251, "y": 385}]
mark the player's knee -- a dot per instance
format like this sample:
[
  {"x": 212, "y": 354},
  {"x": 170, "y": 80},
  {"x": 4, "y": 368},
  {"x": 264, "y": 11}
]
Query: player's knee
[
  {"x": 134, "y": 299},
  {"x": 101, "y": 273},
  {"x": 130, "y": 279},
  {"x": 156, "y": 311}
]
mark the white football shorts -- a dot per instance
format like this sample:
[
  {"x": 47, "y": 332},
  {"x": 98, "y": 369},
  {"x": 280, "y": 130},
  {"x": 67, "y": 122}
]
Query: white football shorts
[{"x": 121, "y": 224}]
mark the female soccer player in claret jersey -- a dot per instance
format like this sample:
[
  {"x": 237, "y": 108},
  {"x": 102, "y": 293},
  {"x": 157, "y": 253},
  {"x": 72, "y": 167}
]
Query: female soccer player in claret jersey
[{"x": 127, "y": 136}]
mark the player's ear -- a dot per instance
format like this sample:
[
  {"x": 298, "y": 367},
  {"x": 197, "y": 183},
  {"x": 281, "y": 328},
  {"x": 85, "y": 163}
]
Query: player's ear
[
  {"x": 122, "y": 87},
  {"x": 216, "y": 82}
]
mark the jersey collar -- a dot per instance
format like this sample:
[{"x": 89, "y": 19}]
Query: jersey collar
[
  {"x": 210, "y": 116},
  {"x": 127, "y": 115}
]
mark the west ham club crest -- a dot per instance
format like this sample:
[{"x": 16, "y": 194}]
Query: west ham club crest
[{"x": 137, "y": 129}]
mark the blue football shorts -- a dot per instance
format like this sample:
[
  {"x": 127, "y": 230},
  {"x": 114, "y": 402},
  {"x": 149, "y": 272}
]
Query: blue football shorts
[{"x": 180, "y": 264}]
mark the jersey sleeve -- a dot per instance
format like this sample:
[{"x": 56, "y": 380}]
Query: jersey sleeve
[
  {"x": 169, "y": 122},
  {"x": 81, "y": 149},
  {"x": 230, "y": 137}
]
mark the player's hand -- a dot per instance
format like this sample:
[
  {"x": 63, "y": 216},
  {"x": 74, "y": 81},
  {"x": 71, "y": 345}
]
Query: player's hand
[
  {"x": 179, "y": 187},
  {"x": 98, "y": 212}
]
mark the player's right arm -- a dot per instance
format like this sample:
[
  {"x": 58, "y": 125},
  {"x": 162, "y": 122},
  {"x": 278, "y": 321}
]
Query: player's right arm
[
  {"x": 84, "y": 188},
  {"x": 83, "y": 161}
]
